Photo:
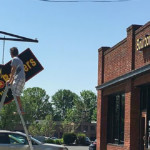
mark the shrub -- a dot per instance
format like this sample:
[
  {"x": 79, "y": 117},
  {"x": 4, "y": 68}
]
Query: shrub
[
  {"x": 50, "y": 141},
  {"x": 69, "y": 138},
  {"x": 59, "y": 141},
  {"x": 80, "y": 138}
]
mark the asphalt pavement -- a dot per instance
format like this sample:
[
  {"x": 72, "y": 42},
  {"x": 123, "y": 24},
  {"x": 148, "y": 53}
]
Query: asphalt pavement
[{"x": 77, "y": 147}]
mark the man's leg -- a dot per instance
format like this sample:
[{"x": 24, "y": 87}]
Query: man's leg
[{"x": 17, "y": 87}]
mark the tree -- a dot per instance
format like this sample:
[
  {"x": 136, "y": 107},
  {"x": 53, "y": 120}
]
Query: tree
[
  {"x": 94, "y": 116},
  {"x": 48, "y": 126},
  {"x": 89, "y": 100},
  {"x": 44, "y": 127},
  {"x": 74, "y": 114},
  {"x": 62, "y": 101},
  {"x": 83, "y": 110},
  {"x": 36, "y": 104},
  {"x": 35, "y": 129}
]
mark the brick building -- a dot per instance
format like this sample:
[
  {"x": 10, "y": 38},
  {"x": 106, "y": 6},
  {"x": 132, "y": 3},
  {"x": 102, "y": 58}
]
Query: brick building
[{"x": 123, "y": 116}]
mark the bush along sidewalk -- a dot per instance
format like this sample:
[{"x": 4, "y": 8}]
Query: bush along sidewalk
[
  {"x": 69, "y": 138},
  {"x": 80, "y": 139},
  {"x": 56, "y": 141}
]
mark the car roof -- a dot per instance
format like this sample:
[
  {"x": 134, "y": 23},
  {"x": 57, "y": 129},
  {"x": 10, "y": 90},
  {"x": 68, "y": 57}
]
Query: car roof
[{"x": 7, "y": 131}]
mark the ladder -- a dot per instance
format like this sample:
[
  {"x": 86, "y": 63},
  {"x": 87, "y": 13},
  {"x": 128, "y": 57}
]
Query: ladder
[{"x": 19, "y": 112}]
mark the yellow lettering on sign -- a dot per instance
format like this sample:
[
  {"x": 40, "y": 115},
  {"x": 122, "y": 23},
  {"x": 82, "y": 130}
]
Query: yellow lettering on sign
[
  {"x": 32, "y": 62},
  {"x": 142, "y": 43},
  {"x": 5, "y": 77},
  {"x": 138, "y": 45},
  {"x": 1, "y": 93},
  {"x": 29, "y": 65}
]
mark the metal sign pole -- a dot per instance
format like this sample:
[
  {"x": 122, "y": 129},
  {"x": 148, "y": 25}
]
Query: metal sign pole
[{"x": 3, "y": 51}]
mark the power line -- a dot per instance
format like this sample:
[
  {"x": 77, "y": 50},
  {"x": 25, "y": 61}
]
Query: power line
[{"x": 75, "y": 1}]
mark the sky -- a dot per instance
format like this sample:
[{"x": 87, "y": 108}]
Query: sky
[{"x": 69, "y": 36}]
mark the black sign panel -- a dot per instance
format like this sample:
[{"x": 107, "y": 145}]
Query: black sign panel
[{"x": 31, "y": 66}]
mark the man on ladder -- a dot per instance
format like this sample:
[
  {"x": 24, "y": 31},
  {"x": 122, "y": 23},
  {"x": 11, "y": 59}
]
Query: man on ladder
[
  {"x": 16, "y": 83},
  {"x": 17, "y": 76}
]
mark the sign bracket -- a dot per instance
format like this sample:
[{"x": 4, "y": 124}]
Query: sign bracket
[{"x": 17, "y": 37}]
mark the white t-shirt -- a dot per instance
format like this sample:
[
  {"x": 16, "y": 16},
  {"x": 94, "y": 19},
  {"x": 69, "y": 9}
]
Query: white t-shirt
[{"x": 19, "y": 74}]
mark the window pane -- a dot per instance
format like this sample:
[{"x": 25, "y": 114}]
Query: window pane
[
  {"x": 122, "y": 119},
  {"x": 143, "y": 98},
  {"x": 4, "y": 138},
  {"x": 110, "y": 119},
  {"x": 115, "y": 119},
  {"x": 17, "y": 139}
]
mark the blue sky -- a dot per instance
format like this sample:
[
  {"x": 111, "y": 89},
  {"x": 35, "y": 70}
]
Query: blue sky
[{"x": 69, "y": 36}]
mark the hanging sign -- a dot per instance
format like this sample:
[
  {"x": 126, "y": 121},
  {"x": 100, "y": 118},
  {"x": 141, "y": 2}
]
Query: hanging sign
[{"x": 31, "y": 67}]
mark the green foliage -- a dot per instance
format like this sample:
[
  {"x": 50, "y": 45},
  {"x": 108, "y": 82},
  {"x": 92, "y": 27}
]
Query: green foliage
[
  {"x": 57, "y": 141},
  {"x": 45, "y": 127},
  {"x": 36, "y": 104},
  {"x": 35, "y": 129},
  {"x": 65, "y": 106},
  {"x": 81, "y": 138},
  {"x": 9, "y": 116},
  {"x": 69, "y": 138},
  {"x": 83, "y": 108},
  {"x": 74, "y": 114},
  {"x": 49, "y": 140},
  {"x": 89, "y": 100},
  {"x": 94, "y": 116},
  {"x": 62, "y": 101},
  {"x": 48, "y": 126}
]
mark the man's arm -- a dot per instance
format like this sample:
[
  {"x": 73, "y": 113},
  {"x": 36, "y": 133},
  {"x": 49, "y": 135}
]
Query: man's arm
[{"x": 13, "y": 70}]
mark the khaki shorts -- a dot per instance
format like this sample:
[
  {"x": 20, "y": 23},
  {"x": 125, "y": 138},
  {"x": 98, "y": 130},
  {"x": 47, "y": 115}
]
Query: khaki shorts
[{"x": 17, "y": 86}]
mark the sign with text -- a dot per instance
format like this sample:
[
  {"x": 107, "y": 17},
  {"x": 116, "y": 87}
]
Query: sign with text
[
  {"x": 31, "y": 67},
  {"x": 143, "y": 43}
]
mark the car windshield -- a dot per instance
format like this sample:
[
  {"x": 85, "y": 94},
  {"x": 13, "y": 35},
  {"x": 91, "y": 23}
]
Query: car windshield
[
  {"x": 15, "y": 140},
  {"x": 22, "y": 139},
  {"x": 36, "y": 141}
]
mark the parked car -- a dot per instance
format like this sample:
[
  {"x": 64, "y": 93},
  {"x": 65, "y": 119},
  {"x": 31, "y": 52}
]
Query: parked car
[
  {"x": 10, "y": 140},
  {"x": 40, "y": 138},
  {"x": 92, "y": 146},
  {"x": 87, "y": 141}
]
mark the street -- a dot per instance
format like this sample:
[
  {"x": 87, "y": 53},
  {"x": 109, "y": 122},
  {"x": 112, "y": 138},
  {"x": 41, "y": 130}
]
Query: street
[{"x": 77, "y": 147}]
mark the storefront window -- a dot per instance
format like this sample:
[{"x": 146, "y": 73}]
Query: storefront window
[
  {"x": 144, "y": 97},
  {"x": 115, "y": 123}
]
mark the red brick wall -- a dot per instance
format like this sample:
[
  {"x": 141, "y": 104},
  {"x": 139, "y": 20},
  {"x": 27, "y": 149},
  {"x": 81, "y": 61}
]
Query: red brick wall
[
  {"x": 100, "y": 67},
  {"x": 101, "y": 64},
  {"x": 101, "y": 122},
  {"x": 114, "y": 62},
  {"x": 98, "y": 119},
  {"x": 113, "y": 147},
  {"x": 142, "y": 80}
]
